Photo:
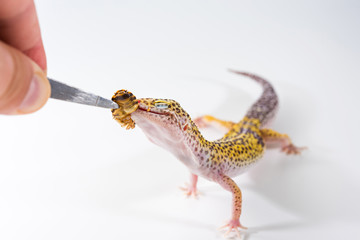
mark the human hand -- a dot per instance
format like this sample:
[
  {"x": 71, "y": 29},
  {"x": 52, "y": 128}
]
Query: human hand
[{"x": 24, "y": 87}]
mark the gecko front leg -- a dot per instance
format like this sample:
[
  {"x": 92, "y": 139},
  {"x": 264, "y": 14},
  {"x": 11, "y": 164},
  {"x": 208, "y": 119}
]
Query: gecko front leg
[
  {"x": 271, "y": 136},
  {"x": 228, "y": 184},
  {"x": 207, "y": 120},
  {"x": 191, "y": 189}
]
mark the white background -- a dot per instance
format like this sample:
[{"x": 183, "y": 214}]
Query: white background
[{"x": 71, "y": 172}]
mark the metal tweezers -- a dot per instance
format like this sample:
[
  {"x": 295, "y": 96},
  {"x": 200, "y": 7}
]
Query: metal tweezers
[{"x": 64, "y": 92}]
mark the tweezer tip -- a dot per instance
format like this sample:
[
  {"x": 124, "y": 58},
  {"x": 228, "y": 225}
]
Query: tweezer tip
[
  {"x": 105, "y": 103},
  {"x": 114, "y": 105}
]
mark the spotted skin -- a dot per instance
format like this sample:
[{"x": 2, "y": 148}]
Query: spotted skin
[{"x": 168, "y": 125}]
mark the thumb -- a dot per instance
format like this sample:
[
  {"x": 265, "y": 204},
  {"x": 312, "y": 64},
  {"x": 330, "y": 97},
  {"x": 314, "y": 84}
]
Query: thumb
[{"x": 24, "y": 87}]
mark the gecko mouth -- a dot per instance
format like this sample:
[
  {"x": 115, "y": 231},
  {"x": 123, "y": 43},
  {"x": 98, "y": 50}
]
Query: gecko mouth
[
  {"x": 150, "y": 111},
  {"x": 173, "y": 116}
]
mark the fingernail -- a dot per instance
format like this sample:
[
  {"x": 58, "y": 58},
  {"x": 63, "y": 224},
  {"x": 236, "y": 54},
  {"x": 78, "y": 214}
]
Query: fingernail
[{"x": 36, "y": 96}]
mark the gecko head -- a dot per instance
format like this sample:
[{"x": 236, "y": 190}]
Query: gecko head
[{"x": 161, "y": 116}]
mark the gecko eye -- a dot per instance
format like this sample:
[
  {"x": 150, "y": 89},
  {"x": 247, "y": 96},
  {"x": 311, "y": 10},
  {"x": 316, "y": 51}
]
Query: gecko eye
[{"x": 161, "y": 105}]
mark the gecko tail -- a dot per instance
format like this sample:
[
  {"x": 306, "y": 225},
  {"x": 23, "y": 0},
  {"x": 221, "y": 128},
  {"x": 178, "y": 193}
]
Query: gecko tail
[
  {"x": 264, "y": 109},
  {"x": 254, "y": 77}
]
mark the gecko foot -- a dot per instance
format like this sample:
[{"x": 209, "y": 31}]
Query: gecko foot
[
  {"x": 200, "y": 122},
  {"x": 190, "y": 191},
  {"x": 233, "y": 224},
  {"x": 292, "y": 149}
]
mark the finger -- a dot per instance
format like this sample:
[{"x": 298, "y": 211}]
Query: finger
[
  {"x": 24, "y": 87},
  {"x": 19, "y": 27}
]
